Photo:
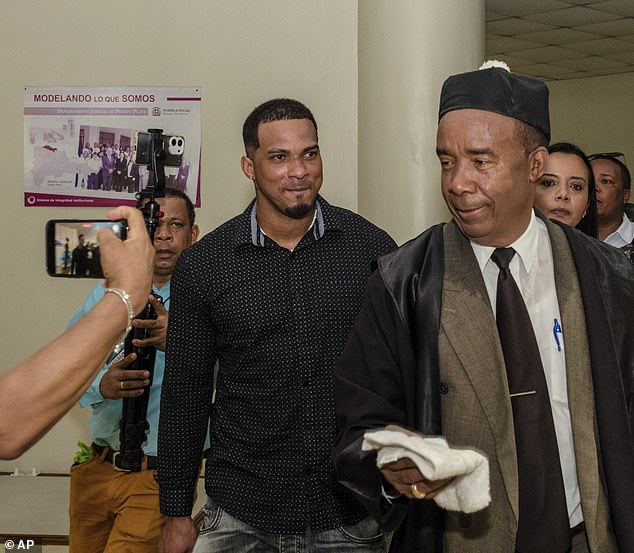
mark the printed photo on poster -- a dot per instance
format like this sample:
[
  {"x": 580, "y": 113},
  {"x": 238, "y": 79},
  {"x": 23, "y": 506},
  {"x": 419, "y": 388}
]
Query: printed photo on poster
[{"x": 79, "y": 143}]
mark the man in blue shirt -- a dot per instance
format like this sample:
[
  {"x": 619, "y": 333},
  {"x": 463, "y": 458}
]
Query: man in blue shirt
[{"x": 112, "y": 509}]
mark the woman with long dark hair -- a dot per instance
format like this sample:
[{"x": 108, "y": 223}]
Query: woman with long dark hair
[{"x": 566, "y": 191}]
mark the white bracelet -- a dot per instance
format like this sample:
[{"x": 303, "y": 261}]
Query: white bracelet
[{"x": 125, "y": 298}]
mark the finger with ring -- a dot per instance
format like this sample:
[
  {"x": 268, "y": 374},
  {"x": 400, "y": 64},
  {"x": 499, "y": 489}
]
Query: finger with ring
[
  {"x": 121, "y": 384},
  {"x": 418, "y": 494}
]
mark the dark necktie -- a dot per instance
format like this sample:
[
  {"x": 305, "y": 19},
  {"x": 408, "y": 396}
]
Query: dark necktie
[{"x": 543, "y": 521}]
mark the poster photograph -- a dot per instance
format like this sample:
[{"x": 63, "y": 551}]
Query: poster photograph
[{"x": 79, "y": 143}]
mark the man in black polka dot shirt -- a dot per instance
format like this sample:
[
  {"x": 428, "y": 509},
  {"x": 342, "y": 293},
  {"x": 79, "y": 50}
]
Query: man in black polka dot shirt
[{"x": 270, "y": 294}]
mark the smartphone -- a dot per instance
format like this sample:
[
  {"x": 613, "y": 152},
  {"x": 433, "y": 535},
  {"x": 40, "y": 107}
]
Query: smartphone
[
  {"x": 173, "y": 148},
  {"x": 71, "y": 246}
]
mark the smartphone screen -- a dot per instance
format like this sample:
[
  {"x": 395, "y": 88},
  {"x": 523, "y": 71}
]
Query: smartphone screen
[{"x": 72, "y": 249}]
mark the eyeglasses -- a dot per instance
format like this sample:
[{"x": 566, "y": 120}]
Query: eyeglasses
[{"x": 606, "y": 155}]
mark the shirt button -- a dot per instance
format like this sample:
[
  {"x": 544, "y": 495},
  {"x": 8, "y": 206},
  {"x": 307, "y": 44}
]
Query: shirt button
[
  {"x": 444, "y": 388},
  {"x": 464, "y": 520}
]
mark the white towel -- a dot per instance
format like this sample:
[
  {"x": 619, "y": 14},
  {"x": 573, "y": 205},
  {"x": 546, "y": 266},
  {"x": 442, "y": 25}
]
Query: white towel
[{"x": 469, "y": 492}]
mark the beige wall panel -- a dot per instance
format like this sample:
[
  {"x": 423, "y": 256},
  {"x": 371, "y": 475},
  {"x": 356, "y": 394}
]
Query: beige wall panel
[
  {"x": 597, "y": 114},
  {"x": 406, "y": 50}
]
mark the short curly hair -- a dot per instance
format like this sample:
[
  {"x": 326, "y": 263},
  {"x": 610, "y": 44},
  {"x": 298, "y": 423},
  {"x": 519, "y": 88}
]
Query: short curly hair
[{"x": 279, "y": 109}]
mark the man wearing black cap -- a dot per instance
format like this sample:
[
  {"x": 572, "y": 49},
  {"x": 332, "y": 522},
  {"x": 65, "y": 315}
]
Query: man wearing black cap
[{"x": 493, "y": 331}]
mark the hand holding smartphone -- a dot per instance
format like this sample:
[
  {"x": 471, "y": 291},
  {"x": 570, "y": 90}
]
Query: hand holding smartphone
[{"x": 72, "y": 250}]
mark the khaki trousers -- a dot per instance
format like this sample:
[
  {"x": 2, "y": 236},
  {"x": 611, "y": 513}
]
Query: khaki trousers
[{"x": 113, "y": 511}]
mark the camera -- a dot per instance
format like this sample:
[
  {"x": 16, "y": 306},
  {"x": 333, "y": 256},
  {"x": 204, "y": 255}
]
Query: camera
[
  {"x": 72, "y": 250},
  {"x": 172, "y": 146}
]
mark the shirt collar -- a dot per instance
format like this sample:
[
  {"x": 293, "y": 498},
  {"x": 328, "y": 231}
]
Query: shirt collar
[
  {"x": 525, "y": 246},
  {"x": 163, "y": 290},
  {"x": 625, "y": 231},
  {"x": 249, "y": 232}
]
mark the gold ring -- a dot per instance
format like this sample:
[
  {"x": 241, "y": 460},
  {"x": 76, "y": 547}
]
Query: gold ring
[
  {"x": 121, "y": 384},
  {"x": 417, "y": 493}
]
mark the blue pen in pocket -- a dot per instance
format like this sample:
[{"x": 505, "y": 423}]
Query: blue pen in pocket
[{"x": 557, "y": 330}]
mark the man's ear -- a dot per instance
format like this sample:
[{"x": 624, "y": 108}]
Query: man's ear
[
  {"x": 626, "y": 195},
  {"x": 195, "y": 233},
  {"x": 538, "y": 161},
  {"x": 247, "y": 167}
]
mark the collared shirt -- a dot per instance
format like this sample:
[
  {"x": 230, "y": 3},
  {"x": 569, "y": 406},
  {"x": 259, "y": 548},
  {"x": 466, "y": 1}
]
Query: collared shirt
[
  {"x": 533, "y": 270},
  {"x": 106, "y": 413},
  {"x": 277, "y": 321},
  {"x": 623, "y": 235}
]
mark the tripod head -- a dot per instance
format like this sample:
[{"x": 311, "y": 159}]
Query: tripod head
[{"x": 156, "y": 184}]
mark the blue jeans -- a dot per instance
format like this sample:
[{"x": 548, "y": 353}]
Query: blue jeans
[{"x": 222, "y": 533}]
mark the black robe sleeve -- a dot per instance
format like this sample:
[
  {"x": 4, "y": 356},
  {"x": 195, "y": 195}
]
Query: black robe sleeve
[
  {"x": 370, "y": 391},
  {"x": 385, "y": 377},
  {"x": 606, "y": 278}
]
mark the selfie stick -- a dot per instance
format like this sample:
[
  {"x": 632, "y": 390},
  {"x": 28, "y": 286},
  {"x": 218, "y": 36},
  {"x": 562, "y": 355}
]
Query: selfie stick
[{"x": 133, "y": 425}]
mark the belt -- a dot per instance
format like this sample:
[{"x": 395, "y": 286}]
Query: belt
[{"x": 149, "y": 462}]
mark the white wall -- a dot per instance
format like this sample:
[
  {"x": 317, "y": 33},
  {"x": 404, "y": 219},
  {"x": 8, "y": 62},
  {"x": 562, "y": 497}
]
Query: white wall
[
  {"x": 241, "y": 52},
  {"x": 597, "y": 114},
  {"x": 406, "y": 51}
]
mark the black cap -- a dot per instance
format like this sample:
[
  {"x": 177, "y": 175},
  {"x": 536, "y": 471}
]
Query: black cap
[{"x": 498, "y": 90}]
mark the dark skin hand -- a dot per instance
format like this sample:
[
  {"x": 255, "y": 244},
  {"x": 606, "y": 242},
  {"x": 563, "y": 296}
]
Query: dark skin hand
[
  {"x": 403, "y": 473},
  {"x": 157, "y": 327},
  {"x": 178, "y": 536},
  {"x": 118, "y": 381}
]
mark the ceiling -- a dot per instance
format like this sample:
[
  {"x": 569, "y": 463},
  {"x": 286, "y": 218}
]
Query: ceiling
[{"x": 562, "y": 39}]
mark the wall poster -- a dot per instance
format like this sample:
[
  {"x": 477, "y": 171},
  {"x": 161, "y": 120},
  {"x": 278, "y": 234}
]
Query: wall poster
[{"x": 78, "y": 143}]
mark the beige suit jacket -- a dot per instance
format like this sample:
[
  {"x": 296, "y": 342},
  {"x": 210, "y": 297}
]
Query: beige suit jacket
[{"x": 476, "y": 409}]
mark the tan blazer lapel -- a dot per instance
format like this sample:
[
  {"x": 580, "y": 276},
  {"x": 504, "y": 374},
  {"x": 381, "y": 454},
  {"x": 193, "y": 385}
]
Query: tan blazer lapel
[
  {"x": 469, "y": 324},
  {"x": 579, "y": 383}
]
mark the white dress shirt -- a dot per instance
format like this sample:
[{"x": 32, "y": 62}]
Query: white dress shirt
[
  {"x": 623, "y": 235},
  {"x": 533, "y": 270}
]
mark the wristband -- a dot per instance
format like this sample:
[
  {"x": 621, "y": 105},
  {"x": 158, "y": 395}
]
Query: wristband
[{"x": 125, "y": 298}]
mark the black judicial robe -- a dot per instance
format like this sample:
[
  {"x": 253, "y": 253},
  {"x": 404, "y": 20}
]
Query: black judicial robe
[{"x": 398, "y": 325}]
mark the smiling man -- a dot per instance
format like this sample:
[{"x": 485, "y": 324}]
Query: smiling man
[
  {"x": 271, "y": 295},
  {"x": 492, "y": 331},
  {"x": 113, "y": 510}
]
